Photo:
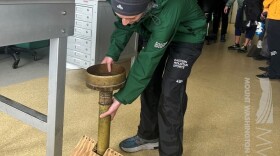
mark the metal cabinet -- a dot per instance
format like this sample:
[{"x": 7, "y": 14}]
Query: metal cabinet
[{"x": 94, "y": 24}]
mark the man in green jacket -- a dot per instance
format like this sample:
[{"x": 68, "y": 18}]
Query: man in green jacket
[{"x": 173, "y": 33}]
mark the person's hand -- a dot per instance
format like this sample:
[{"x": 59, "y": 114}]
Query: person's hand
[
  {"x": 109, "y": 61},
  {"x": 112, "y": 110},
  {"x": 226, "y": 9},
  {"x": 263, "y": 15}
]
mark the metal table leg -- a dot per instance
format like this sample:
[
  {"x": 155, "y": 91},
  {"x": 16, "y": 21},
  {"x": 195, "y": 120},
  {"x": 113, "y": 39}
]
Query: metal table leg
[{"x": 57, "y": 71}]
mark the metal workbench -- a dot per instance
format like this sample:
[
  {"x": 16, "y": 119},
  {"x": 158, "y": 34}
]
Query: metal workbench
[{"x": 24, "y": 21}]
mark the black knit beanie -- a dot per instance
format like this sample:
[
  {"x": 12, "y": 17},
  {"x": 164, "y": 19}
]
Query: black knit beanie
[{"x": 129, "y": 7}]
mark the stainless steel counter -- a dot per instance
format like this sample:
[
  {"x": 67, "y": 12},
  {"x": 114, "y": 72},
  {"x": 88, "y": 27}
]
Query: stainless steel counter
[
  {"x": 32, "y": 20},
  {"x": 19, "y": 2},
  {"x": 24, "y": 21}
]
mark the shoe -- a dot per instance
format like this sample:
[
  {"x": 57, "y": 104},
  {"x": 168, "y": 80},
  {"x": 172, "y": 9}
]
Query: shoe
[
  {"x": 266, "y": 75},
  {"x": 263, "y": 69},
  {"x": 260, "y": 58},
  {"x": 223, "y": 38},
  {"x": 136, "y": 143},
  {"x": 242, "y": 49},
  {"x": 213, "y": 36},
  {"x": 234, "y": 47}
]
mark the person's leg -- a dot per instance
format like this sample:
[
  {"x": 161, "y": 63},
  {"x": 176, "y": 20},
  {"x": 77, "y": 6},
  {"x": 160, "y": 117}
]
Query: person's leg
[
  {"x": 224, "y": 22},
  {"x": 238, "y": 30},
  {"x": 236, "y": 45},
  {"x": 243, "y": 48},
  {"x": 237, "y": 39},
  {"x": 148, "y": 133},
  {"x": 247, "y": 42},
  {"x": 238, "y": 25},
  {"x": 173, "y": 100},
  {"x": 216, "y": 20},
  {"x": 148, "y": 127},
  {"x": 249, "y": 34},
  {"x": 264, "y": 54},
  {"x": 273, "y": 35}
]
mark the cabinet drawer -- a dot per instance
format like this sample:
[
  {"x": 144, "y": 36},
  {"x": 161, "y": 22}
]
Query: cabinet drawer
[
  {"x": 86, "y": 2},
  {"x": 79, "y": 55},
  {"x": 83, "y": 24},
  {"x": 83, "y": 10},
  {"x": 83, "y": 17},
  {"x": 79, "y": 41},
  {"x": 79, "y": 62},
  {"x": 82, "y": 32},
  {"x": 79, "y": 48}
]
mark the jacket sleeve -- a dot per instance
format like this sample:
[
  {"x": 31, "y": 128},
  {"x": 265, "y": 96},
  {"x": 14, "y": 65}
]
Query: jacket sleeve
[
  {"x": 119, "y": 39},
  {"x": 266, "y": 4},
  {"x": 142, "y": 70}
]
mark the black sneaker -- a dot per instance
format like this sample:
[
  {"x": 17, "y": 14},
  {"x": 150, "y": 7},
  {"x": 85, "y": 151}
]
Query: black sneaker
[
  {"x": 234, "y": 47},
  {"x": 263, "y": 68},
  {"x": 266, "y": 75},
  {"x": 260, "y": 57},
  {"x": 136, "y": 143},
  {"x": 213, "y": 36},
  {"x": 223, "y": 38},
  {"x": 242, "y": 49}
]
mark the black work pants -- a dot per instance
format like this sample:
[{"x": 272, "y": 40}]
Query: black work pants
[
  {"x": 217, "y": 15},
  {"x": 273, "y": 36},
  {"x": 164, "y": 101}
]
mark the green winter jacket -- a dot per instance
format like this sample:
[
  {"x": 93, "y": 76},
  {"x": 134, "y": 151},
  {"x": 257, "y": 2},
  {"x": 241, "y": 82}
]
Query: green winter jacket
[{"x": 166, "y": 21}]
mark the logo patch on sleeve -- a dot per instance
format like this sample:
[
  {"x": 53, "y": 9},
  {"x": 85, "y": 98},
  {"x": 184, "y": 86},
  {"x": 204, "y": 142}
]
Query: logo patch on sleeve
[{"x": 160, "y": 45}]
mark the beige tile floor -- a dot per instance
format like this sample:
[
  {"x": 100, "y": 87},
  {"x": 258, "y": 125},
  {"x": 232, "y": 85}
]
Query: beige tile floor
[{"x": 214, "y": 123}]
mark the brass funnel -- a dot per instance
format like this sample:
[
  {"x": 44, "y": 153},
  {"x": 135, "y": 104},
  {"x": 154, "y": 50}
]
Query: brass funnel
[{"x": 98, "y": 77}]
